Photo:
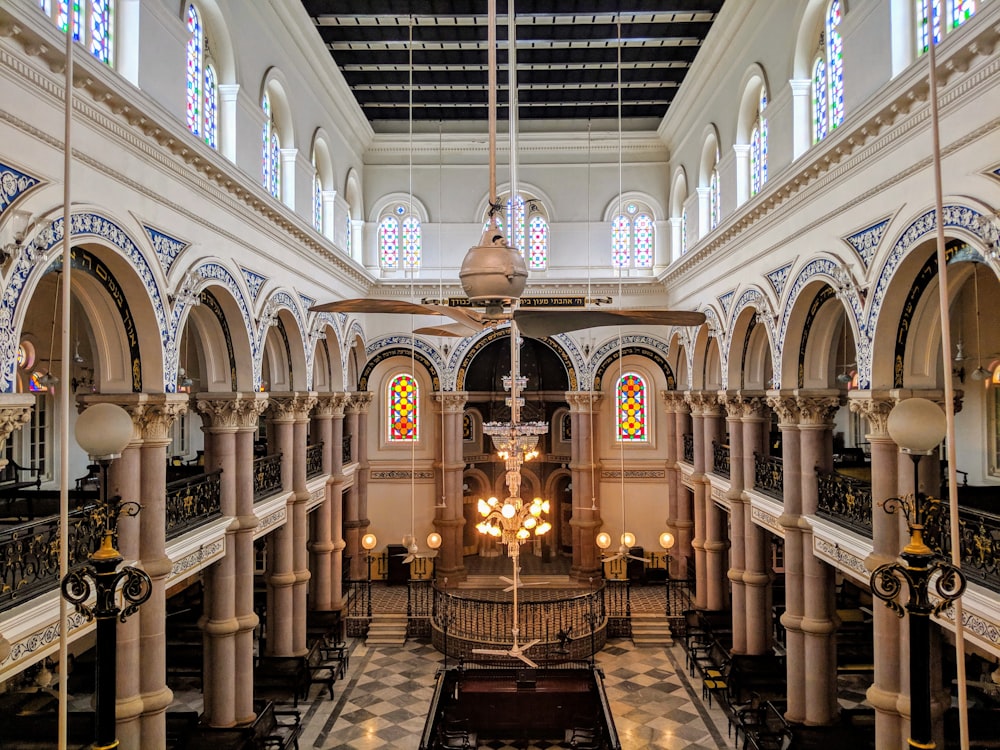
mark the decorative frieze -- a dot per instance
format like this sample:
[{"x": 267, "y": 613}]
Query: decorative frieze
[
  {"x": 841, "y": 557},
  {"x": 197, "y": 559},
  {"x": 393, "y": 475},
  {"x": 866, "y": 242},
  {"x": 648, "y": 474}
]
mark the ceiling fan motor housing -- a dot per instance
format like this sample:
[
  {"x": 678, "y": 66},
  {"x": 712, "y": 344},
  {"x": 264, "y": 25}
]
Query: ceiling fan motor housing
[{"x": 492, "y": 271}]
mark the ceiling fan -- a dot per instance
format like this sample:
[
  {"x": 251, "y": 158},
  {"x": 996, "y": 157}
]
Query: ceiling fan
[
  {"x": 413, "y": 552},
  {"x": 515, "y": 651},
  {"x": 516, "y": 581},
  {"x": 493, "y": 274}
]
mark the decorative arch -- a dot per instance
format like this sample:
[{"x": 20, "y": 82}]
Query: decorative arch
[
  {"x": 384, "y": 204},
  {"x": 391, "y": 346},
  {"x": 275, "y": 85},
  {"x": 710, "y": 150},
  {"x": 464, "y": 355},
  {"x": 635, "y": 344},
  {"x": 302, "y": 355},
  {"x": 31, "y": 264},
  {"x": 215, "y": 274},
  {"x": 678, "y": 193},
  {"x": 752, "y": 312}
]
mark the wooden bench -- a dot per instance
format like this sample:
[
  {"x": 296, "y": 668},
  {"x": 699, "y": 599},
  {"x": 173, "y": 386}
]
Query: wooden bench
[
  {"x": 320, "y": 669},
  {"x": 281, "y": 679},
  {"x": 276, "y": 729}
]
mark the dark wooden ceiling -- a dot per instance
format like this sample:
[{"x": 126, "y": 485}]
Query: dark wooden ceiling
[{"x": 567, "y": 55}]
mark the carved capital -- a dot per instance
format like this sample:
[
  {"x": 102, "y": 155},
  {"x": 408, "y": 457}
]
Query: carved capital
[
  {"x": 290, "y": 407},
  {"x": 675, "y": 401},
  {"x": 703, "y": 403},
  {"x": 818, "y": 408},
  {"x": 452, "y": 402},
  {"x": 15, "y": 412},
  {"x": 359, "y": 402},
  {"x": 785, "y": 406},
  {"x": 743, "y": 404},
  {"x": 873, "y": 407},
  {"x": 330, "y": 405},
  {"x": 584, "y": 402}
]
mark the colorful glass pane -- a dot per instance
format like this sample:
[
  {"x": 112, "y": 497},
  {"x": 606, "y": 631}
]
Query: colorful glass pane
[
  {"x": 643, "y": 240},
  {"x": 684, "y": 231},
  {"x": 100, "y": 29},
  {"x": 275, "y": 161},
  {"x": 194, "y": 77},
  {"x": 35, "y": 382},
  {"x": 347, "y": 236},
  {"x": 388, "y": 242},
  {"x": 763, "y": 151},
  {"x": 411, "y": 242},
  {"x": 835, "y": 55},
  {"x": 46, "y": 6},
  {"x": 755, "y": 161},
  {"x": 317, "y": 202},
  {"x": 819, "y": 100},
  {"x": 715, "y": 199},
  {"x": 265, "y": 157},
  {"x": 962, "y": 11},
  {"x": 922, "y": 25},
  {"x": 538, "y": 230},
  {"x": 621, "y": 231},
  {"x": 211, "y": 122},
  {"x": 631, "y": 408},
  {"x": 631, "y": 208},
  {"x": 403, "y": 416}
]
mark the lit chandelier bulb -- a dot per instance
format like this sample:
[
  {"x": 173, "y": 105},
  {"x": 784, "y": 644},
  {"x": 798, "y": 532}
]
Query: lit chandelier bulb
[{"x": 508, "y": 510}]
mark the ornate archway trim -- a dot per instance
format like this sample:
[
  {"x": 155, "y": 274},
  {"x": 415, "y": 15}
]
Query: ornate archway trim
[
  {"x": 644, "y": 346},
  {"x": 417, "y": 353}
]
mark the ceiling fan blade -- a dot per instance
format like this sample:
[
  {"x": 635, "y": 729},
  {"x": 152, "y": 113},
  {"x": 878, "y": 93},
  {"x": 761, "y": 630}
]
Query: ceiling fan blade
[
  {"x": 365, "y": 305},
  {"x": 505, "y": 579},
  {"x": 639, "y": 559},
  {"x": 492, "y": 651},
  {"x": 457, "y": 330},
  {"x": 428, "y": 555},
  {"x": 526, "y": 660},
  {"x": 408, "y": 559},
  {"x": 612, "y": 558},
  {"x": 541, "y": 323}
]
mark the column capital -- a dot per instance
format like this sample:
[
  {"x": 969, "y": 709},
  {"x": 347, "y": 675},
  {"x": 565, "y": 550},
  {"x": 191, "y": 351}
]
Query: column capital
[
  {"x": 330, "y": 405},
  {"x": 452, "y": 402},
  {"x": 818, "y": 407},
  {"x": 873, "y": 406},
  {"x": 227, "y": 412},
  {"x": 937, "y": 396},
  {"x": 675, "y": 401},
  {"x": 703, "y": 403},
  {"x": 743, "y": 404},
  {"x": 153, "y": 414},
  {"x": 784, "y": 404},
  {"x": 583, "y": 401},
  {"x": 291, "y": 406},
  {"x": 15, "y": 412},
  {"x": 359, "y": 402}
]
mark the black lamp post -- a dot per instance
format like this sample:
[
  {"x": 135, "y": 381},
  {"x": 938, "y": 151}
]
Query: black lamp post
[
  {"x": 368, "y": 542},
  {"x": 103, "y": 431},
  {"x": 667, "y": 542},
  {"x": 917, "y": 426}
]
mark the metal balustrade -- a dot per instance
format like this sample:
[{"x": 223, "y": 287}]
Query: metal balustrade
[
  {"x": 266, "y": 476},
  {"x": 845, "y": 500},
  {"x": 979, "y": 539},
  {"x": 192, "y": 501},
  {"x": 314, "y": 460},
  {"x": 688, "y": 440},
  {"x": 769, "y": 475},
  {"x": 720, "y": 459}
]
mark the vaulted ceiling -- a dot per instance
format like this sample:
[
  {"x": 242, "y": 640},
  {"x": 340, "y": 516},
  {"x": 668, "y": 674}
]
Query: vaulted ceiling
[{"x": 566, "y": 55}]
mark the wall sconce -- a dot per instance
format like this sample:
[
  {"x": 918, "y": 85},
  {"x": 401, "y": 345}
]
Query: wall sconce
[{"x": 20, "y": 224}]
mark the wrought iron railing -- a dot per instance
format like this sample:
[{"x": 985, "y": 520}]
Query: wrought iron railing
[
  {"x": 419, "y": 607},
  {"x": 619, "y": 604},
  {"x": 29, "y": 554},
  {"x": 345, "y": 449},
  {"x": 720, "y": 459},
  {"x": 314, "y": 460},
  {"x": 266, "y": 476},
  {"x": 769, "y": 475},
  {"x": 192, "y": 501},
  {"x": 979, "y": 535},
  {"x": 688, "y": 447},
  {"x": 845, "y": 500},
  {"x": 358, "y": 607}
]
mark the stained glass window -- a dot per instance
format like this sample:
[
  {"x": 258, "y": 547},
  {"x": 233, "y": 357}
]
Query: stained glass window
[
  {"x": 835, "y": 64},
  {"x": 317, "y": 200},
  {"x": 631, "y": 408},
  {"x": 347, "y": 235},
  {"x": 538, "y": 233},
  {"x": 962, "y": 11},
  {"x": 621, "y": 229},
  {"x": 403, "y": 410},
  {"x": 819, "y": 100},
  {"x": 715, "y": 198},
  {"x": 515, "y": 220},
  {"x": 211, "y": 125},
  {"x": 194, "y": 77},
  {"x": 758, "y": 147},
  {"x": 388, "y": 243},
  {"x": 271, "y": 150},
  {"x": 642, "y": 240},
  {"x": 93, "y": 24},
  {"x": 684, "y": 231},
  {"x": 411, "y": 242}
]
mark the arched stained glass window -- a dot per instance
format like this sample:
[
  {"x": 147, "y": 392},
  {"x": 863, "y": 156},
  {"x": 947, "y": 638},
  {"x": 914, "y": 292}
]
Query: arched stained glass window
[
  {"x": 715, "y": 197},
  {"x": 411, "y": 242},
  {"x": 642, "y": 240},
  {"x": 93, "y": 24},
  {"x": 317, "y": 199},
  {"x": 388, "y": 243},
  {"x": 202, "y": 86},
  {"x": 211, "y": 107},
  {"x": 684, "y": 231},
  {"x": 835, "y": 64},
  {"x": 956, "y": 11},
  {"x": 632, "y": 237},
  {"x": 270, "y": 150},
  {"x": 347, "y": 235},
  {"x": 538, "y": 234},
  {"x": 758, "y": 146},
  {"x": 962, "y": 11},
  {"x": 819, "y": 100},
  {"x": 515, "y": 222},
  {"x": 403, "y": 410},
  {"x": 621, "y": 236},
  {"x": 632, "y": 426}
]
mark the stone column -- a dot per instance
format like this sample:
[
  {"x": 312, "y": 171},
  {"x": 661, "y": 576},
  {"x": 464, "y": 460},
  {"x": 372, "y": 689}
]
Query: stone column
[
  {"x": 15, "y": 412},
  {"x": 734, "y": 405},
  {"x": 335, "y": 499},
  {"x": 321, "y": 534},
  {"x": 449, "y": 521},
  {"x": 785, "y": 405},
  {"x": 248, "y": 408},
  {"x": 817, "y": 410},
  {"x": 586, "y": 519},
  {"x": 352, "y": 522},
  {"x": 757, "y": 576},
  {"x": 280, "y": 574},
  {"x": 885, "y": 693},
  {"x": 153, "y": 415},
  {"x": 219, "y": 422},
  {"x": 290, "y": 415},
  {"x": 360, "y": 403},
  {"x": 716, "y": 543},
  {"x": 678, "y": 507},
  {"x": 701, "y": 489}
]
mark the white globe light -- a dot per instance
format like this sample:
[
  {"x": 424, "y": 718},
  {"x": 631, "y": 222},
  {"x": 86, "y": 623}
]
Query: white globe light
[
  {"x": 666, "y": 540},
  {"x": 508, "y": 510},
  {"x": 628, "y": 539},
  {"x": 916, "y": 425},
  {"x": 368, "y": 541},
  {"x": 433, "y": 540},
  {"x": 104, "y": 430},
  {"x": 603, "y": 540}
]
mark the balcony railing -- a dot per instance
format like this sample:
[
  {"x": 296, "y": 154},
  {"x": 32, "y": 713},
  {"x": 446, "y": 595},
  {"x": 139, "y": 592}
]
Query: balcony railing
[
  {"x": 193, "y": 501},
  {"x": 720, "y": 459},
  {"x": 845, "y": 500},
  {"x": 29, "y": 554},
  {"x": 345, "y": 449},
  {"x": 266, "y": 476},
  {"x": 979, "y": 535},
  {"x": 688, "y": 448},
  {"x": 314, "y": 460},
  {"x": 768, "y": 475}
]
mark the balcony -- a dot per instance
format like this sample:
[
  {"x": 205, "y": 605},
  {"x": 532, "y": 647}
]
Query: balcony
[
  {"x": 192, "y": 501},
  {"x": 720, "y": 459},
  {"x": 266, "y": 476},
  {"x": 769, "y": 476},
  {"x": 688, "y": 448},
  {"x": 979, "y": 539},
  {"x": 314, "y": 460},
  {"x": 845, "y": 500}
]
